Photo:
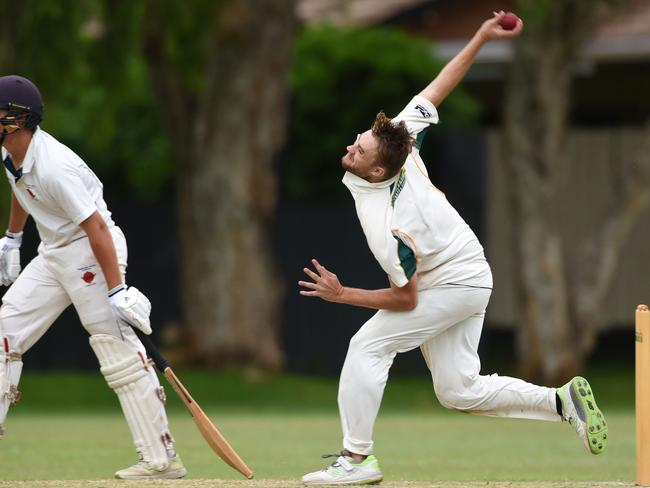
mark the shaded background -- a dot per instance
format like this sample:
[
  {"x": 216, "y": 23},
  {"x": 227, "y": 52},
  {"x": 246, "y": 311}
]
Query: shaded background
[{"x": 188, "y": 198}]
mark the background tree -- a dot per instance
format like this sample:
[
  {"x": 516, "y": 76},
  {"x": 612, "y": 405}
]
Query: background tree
[
  {"x": 20, "y": 52},
  {"x": 560, "y": 292},
  {"x": 219, "y": 72},
  {"x": 96, "y": 90},
  {"x": 222, "y": 86}
]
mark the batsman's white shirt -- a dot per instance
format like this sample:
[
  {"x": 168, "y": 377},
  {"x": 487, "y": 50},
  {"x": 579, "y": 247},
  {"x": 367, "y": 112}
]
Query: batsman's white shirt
[
  {"x": 409, "y": 224},
  {"x": 58, "y": 190}
]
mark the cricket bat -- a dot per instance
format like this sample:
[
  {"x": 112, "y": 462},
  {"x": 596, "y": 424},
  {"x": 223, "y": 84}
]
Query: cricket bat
[{"x": 210, "y": 433}]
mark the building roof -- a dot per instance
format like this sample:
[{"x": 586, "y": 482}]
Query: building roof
[
  {"x": 624, "y": 33},
  {"x": 353, "y": 12}
]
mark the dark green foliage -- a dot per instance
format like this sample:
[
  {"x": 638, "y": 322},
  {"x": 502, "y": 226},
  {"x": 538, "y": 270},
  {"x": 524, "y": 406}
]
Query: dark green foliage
[
  {"x": 85, "y": 59},
  {"x": 341, "y": 78},
  {"x": 46, "y": 41},
  {"x": 116, "y": 128},
  {"x": 187, "y": 26}
]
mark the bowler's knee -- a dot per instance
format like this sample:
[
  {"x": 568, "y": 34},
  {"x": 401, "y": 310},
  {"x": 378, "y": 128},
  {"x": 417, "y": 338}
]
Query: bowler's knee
[
  {"x": 358, "y": 349},
  {"x": 357, "y": 372},
  {"x": 457, "y": 396},
  {"x": 356, "y": 360}
]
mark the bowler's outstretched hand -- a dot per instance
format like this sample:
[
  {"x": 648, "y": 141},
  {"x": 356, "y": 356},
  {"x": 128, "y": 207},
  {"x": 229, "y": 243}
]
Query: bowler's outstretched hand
[
  {"x": 325, "y": 284},
  {"x": 491, "y": 30}
]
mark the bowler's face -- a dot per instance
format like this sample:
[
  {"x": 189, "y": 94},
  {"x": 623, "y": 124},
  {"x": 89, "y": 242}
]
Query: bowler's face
[{"x": 361, "y": 156}]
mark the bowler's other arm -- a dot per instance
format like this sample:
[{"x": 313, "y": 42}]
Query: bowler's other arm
[{"x": 327, "y": 286}]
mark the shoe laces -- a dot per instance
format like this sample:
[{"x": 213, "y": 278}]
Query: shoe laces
[
  {"x": 341, "y": 460},
  {"x": 344, "y": 452}
]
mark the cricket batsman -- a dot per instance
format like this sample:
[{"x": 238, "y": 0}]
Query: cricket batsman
[
  {"x": 81, "y": 261},
  {"x": 440, "y": 285}
]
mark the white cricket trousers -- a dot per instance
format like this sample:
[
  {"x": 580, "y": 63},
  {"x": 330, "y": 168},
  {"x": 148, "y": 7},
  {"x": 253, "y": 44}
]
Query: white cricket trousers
[
  {"x": 52, "y": 281},
  {"x": 446, "y": 325}
]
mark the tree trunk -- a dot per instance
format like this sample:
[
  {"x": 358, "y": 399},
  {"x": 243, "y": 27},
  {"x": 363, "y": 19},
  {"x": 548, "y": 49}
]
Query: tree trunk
[
  {"x": 537, "y": 105},
  {"x": 225, "y": 136}
]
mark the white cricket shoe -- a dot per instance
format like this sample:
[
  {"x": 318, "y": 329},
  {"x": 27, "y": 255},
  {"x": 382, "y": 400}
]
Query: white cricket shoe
[
  {"x": 144, "y": 471},
  {"x": 580, "y": 410},
  {"x": 344, "y": 471}
]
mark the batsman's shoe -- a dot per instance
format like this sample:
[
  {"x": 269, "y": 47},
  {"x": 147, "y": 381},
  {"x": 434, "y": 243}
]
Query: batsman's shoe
[
  {"x": 144, "y": 471},
  {"x": 344, "y": 471},
  {"x": 580, "y": 410}
]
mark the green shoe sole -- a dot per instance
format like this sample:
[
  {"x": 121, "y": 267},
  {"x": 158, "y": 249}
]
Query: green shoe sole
[{"x": 595, "y": 424}]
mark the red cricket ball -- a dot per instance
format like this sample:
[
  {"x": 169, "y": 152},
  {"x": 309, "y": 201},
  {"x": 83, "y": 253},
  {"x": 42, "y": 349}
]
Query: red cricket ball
[{"x": 509, "y": 21}]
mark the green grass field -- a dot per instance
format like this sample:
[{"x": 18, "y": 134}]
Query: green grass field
[{"x": 282, "y": 426}]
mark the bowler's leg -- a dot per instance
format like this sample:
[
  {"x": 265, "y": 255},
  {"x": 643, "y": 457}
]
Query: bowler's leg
[
  {"x": 374, "y": 347},
  {"x": 361, "y": 386},
  {"x": 453, "y": 360},
  {"x": 454, "y": 363},
  {"x": 365, "y": 373}
]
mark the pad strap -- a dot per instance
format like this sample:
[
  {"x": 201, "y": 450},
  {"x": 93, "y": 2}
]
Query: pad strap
[{"x": 11, "y": 367}]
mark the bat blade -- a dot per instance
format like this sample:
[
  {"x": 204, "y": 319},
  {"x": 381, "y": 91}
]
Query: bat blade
[{"x": 210, "y": 433}]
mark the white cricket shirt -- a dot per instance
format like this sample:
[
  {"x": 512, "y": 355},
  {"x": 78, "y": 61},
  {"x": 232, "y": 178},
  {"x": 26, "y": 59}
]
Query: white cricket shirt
[
  {"x": 409, "y": 224},
  {"x": 57, "y": 189}
]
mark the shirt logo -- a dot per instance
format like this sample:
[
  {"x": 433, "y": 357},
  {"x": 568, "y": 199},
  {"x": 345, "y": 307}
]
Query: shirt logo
[
  {"x": 88, "y": 274},
  {"x": 32, "y": 193},
  {"x": 425, "y": 113},
  {"x": 397, "y": 187}
]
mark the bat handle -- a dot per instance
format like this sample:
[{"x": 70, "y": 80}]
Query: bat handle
[{"x": 158, "y": 359}]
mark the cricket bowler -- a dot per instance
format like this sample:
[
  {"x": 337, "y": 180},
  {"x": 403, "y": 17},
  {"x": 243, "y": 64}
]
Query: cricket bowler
[
  {"x": 440, "y": 285},
  {"x": 81, "y": 261}
]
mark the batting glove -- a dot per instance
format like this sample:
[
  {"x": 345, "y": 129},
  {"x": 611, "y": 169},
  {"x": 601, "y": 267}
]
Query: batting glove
[
  {"x": 131, "y": 306},
  {"x": 10, "y": 257}
]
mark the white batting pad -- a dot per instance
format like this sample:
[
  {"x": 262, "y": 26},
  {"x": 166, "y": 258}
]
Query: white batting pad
[
  {"x": 11, "y": 366},
  {"x": 127, "y": 373}
]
